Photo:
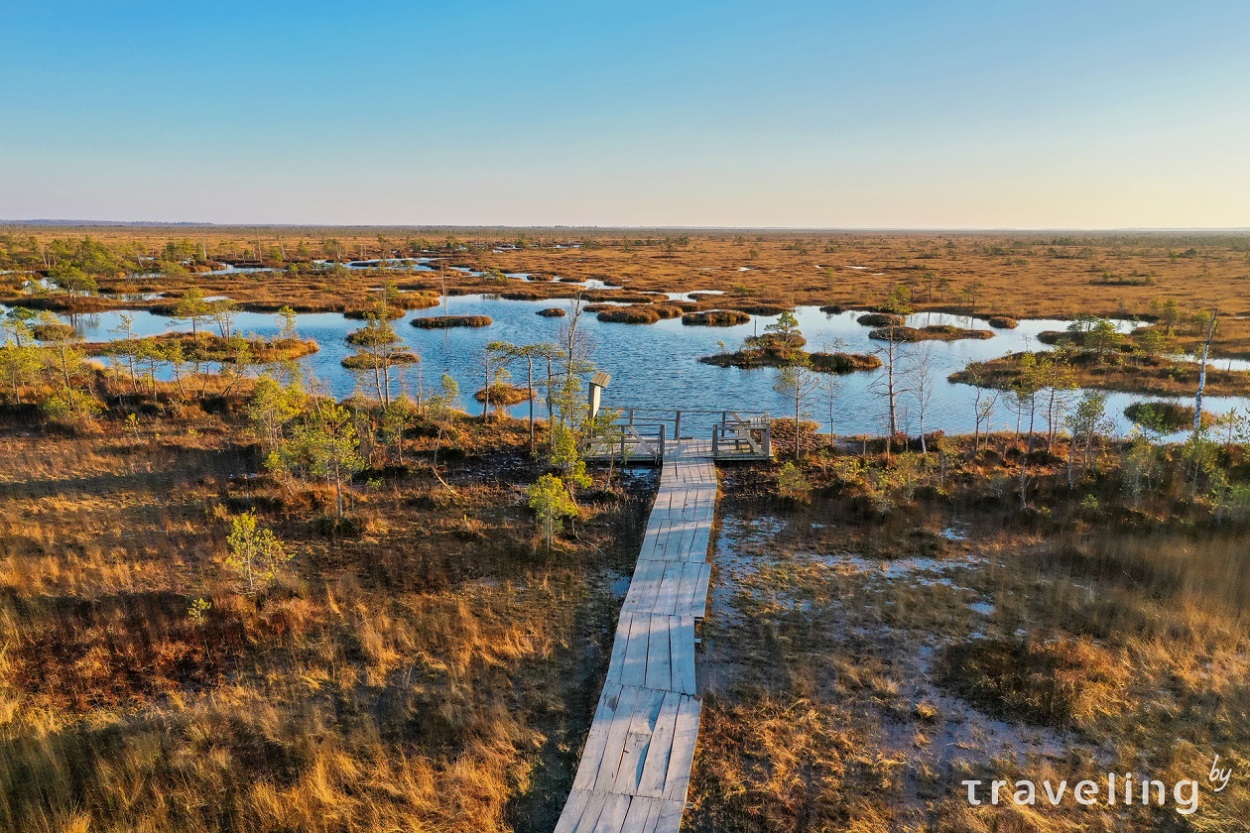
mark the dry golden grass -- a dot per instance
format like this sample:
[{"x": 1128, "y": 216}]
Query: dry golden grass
[
  {"x": 860, "y": 664},
  {"x": 1026, "y": 275},
  {"x": 430, "y": 673},
  {"x": 402, "y": 678},
  {"x": 210, "y": 347},
  {"x": 1135, "y": 372}
]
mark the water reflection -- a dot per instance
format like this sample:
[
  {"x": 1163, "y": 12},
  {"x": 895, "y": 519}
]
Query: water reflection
[{"x": 656, "y": 366}]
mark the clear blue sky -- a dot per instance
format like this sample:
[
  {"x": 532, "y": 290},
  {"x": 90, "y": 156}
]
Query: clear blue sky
[{"x": 818, "y": 114}]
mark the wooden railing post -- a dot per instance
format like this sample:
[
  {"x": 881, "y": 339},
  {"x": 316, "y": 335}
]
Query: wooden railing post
[
  {"x": 662, "y": 428},
  {"x": 768, "y": 438},
  {"x": 715, "y": 441}
]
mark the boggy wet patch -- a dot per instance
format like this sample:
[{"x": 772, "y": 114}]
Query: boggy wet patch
[{"x": 844, "y": 658}]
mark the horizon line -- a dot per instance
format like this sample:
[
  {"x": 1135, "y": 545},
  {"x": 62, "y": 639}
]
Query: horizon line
[{"x": 76, "y": 223}]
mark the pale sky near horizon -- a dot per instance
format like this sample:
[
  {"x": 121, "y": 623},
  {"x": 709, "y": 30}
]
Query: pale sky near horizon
[{"x": 798, "y": 114}]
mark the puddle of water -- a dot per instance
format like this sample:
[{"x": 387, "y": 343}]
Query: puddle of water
[
  {"x": 239, "y": 270},
  {"x": 619, "y": 586},
  {"x": 695, "y": 295},
  {"x": 741, "y": 548},
  {"x": 898, "y": 567},
  {"x": 411, "y": 264}
]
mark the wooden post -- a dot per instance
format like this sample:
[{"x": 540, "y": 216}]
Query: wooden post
[
  {"x": 715, "y": 441},
  {"x": 622, "y": 445},
  {"x": 768, "y": 438},
  {"x": 677, "y": 427},
  {"x": 1202, "y": 378},
  {"x": 662, "y": 429}
]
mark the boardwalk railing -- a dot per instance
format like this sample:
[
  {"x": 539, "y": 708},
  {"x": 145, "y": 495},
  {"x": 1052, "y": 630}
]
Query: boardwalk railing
[
  {"x": 625, "y": 443},
  {"x": 743, "y": 439},
  {"x": 640, "y": 434}
]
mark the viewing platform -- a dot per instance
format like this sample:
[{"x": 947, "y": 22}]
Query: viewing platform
[{"x": 641, "y": 436}]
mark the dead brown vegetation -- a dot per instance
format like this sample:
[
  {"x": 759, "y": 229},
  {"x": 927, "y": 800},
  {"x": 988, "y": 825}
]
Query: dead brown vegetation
[
  {"x": 423, "y": 668},
  {"x": 933, "y": 332},
  {"x": 1026, "y": 275},
  {"x": 715, "y": 318},
  {"x": 1133, "y": 372},
  {"x": 443, "y": 322},
  {"x": 915, "y": 625}
]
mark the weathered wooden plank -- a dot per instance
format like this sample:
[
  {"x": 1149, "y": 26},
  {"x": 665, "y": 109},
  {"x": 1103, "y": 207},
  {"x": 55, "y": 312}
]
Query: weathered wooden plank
[
  {"x": 686, "y": 601},
  {"x": 646, "y": 712},
  {"x": 572, "y": 812},
  {"x": 670, "y": 817},
  {"x": 666, "y": 598},
  {"x": 644, "y": 588},
  {"x": 613, "y": 746},
  {"x": 615, "y": 809},
  {"x": 675, "y": 542},
  {"x": 643, "y": 814},
  {"x": 663, "y": 539},
  {"x": 700, "y": 594},
  {"x": 655, "y": 770},
  {"x": 701, "y": 544},
  {"x": 590, "y": 815},
  {"x": 616, "y": 662},
  {"x": 644, "y": 572},
  {"x": 685, "y": 737},
  {"x": 682, "y": 637},
  {"x": 660, "y": 517},
  {"x": 634, "y": 666},
  {"x": 654, "y": 541},
  {"x": 676, "y": 538},
  {"x": 597, "y": 739},
  {"x": 660, "y": 654},
  {"x": 679, "y": 540}
]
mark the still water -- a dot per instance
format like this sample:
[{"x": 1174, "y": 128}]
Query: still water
[{"x": 656, "y": 366}]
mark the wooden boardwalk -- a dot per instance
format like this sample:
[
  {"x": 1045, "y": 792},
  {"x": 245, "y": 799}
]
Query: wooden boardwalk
[{"x": 635, "y": 767}]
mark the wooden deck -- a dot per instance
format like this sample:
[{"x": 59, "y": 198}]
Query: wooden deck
[
  {"x": 642, "y": 437},
  {"x": 635, "y": 766}
]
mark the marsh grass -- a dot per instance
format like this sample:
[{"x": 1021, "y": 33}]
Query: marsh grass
[
  {"x": 1136, "y": 373},
  {"x": 715, "y": 318},
  {"x": 934, "y": 332},
  {"x": 1026, "y": 275},
  {"x": 862, "y": 663},
  {"x": 443, "y": 322},
  {"x": 634, "y": 314},
  {"x": 432, "y": 671}
]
